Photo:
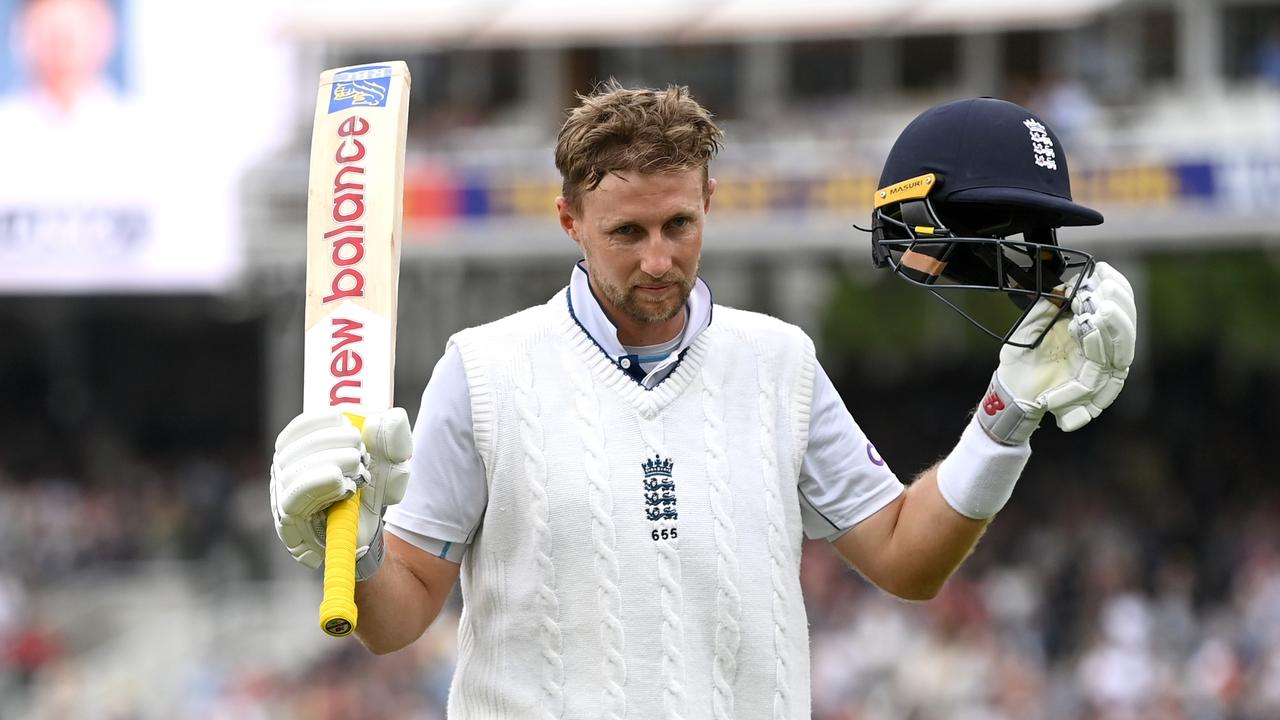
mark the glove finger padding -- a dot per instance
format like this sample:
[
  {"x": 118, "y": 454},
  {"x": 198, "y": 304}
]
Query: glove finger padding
[
  {"x": 1102, "y": 275},
  {"x": 308, "y": 490},
  {"x": 299, "y": 450},
  {"x": 1074, "y": 417},
  {"x": 322, "y": 458},
  {"x": 389, "y": 439},
  {"x": 1079, "y": 367},
  {"x": 319, "y": 460},
  {"x": 300, "y": 538},
  {"x": 1118, "y": 292},
  {"x": 1108, "y": 393},
  {"x": 1105, "y": 324},
  {"x": 1012, "y": 407},
  {"x": 1077, "y": 403},
  {"x": 296, "y": 534},
  {"x": 309, "y": 422},
  {"x": 1107, "y": 334},
  {"x": 1105, "y": 318},
  {"x": 1105, "y": 273}
]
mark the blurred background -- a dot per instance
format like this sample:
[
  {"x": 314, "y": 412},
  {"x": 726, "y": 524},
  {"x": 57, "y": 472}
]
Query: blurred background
[{"x": 152, "y": 213}]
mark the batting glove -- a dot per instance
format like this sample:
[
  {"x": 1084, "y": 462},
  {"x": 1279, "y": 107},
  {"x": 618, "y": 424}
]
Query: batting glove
[
  {"x": 1076, "y": 372},
  {"x": 322, "y": 458}
]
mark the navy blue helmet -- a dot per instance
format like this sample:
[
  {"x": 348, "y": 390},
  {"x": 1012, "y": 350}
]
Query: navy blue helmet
[{"x": 970, "y": 198}]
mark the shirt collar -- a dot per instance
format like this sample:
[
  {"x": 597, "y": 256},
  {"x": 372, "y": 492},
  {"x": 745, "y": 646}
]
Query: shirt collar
[{"x": 602, "y": 330}]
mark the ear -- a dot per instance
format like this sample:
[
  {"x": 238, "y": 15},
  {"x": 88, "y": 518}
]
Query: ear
[
  {"x": 568, "y": 222},
  {"x": 711, "y": 190}
]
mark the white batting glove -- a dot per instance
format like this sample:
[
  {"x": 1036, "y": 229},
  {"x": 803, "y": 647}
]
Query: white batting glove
[
  {"x": 322, "y": 458},
  {"x": 1077, "y": 370}
]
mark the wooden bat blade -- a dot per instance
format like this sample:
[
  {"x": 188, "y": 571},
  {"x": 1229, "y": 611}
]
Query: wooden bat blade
[{"x": 354, "y": 206}]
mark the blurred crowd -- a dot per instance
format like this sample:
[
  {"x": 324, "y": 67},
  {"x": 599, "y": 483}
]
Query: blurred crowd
[
  {"x": 1135, "y": 576},
  {"x": 1066, "y": 627}
]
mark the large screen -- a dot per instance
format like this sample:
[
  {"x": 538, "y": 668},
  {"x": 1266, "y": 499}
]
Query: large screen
[{"x": 126, "y": 127}]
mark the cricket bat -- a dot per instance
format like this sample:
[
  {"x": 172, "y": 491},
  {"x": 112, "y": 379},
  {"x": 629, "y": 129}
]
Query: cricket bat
[{"x": 354, "y": 201}]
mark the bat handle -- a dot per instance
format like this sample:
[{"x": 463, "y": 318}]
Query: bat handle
[{"x": 338, "y": 608}]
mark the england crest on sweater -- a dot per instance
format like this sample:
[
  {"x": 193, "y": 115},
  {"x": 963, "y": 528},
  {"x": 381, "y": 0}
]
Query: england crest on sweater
[{"x": 660, "y": 496}]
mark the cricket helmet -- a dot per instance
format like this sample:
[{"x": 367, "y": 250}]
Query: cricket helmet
[{"x": 970, "y": 199}]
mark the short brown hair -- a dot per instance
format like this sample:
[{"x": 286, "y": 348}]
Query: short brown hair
[{"x": 616, "y": 128}]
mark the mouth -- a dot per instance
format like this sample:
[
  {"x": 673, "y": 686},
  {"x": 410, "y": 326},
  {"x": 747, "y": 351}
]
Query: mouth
[{"x": 654, "y": 290}]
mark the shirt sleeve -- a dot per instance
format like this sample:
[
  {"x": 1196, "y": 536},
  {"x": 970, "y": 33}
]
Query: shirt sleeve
[
  {"x": 843, "y": 480},
  {"x": 447, "y": 492}
]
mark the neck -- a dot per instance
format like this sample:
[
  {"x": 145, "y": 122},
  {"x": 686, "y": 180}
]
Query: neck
[
  {"x": 64, "y": 91},
  {"x": 637, "y": 334}
]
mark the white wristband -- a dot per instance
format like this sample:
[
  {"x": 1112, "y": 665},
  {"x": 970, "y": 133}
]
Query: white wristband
[{"x": 977, "y": 478}]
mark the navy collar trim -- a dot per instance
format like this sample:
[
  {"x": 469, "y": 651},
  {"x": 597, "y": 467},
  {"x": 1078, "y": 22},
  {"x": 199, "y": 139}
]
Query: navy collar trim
[{"x": 568, "y": 298}]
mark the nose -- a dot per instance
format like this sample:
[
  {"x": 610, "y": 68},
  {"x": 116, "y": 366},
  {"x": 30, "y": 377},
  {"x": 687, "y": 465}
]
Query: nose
[{"x": 655, "y": 256}]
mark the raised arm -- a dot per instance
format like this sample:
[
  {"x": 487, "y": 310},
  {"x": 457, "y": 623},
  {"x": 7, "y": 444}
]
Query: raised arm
[
  {"x": 912, "y": 545},
  {"x": 321, "y": 458}
]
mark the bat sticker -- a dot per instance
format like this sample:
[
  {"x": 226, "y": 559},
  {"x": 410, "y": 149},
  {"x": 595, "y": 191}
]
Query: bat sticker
[{"x": 366, "y": 86}]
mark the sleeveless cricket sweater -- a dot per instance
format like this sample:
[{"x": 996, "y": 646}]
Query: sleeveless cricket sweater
[{"x": 639, "y": 554}]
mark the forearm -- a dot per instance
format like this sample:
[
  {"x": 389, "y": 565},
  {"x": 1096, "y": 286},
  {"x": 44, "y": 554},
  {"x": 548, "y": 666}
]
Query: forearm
[
  {"x": 928, "y": 541},
  {"x": 914, "y": 544},
  {"x": 403, "y": 598},
  {"x": 931, "y": 540}
]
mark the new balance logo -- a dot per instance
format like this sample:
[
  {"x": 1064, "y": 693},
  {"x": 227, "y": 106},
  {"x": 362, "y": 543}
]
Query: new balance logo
[{"x": 992, "y": 403}]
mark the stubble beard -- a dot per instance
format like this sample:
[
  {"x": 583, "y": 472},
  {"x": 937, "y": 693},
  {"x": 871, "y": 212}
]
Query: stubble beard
[{"x": 648, "y": 312}]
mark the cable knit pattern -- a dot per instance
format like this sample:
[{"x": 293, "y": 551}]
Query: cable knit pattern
[
  {"x": 779, "y": 568},
  {"x": 614, "y": 702},
  {"x": 535, "y": 467},
  {"x": 671, "y": 600},
  {"x": 571, "y": 608},
  {"x": 476, "y": 703},
  {"x": 728, "y": 600},
  {"x": 647, "y": 403},
  {"x": 486, "y": 654}
]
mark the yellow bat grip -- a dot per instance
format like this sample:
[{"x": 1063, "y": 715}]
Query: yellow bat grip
[{"x": 338, "y": 608}]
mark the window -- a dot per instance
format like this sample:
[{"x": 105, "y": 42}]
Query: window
[
  {"x": 459, "y": 87},
  {"x": 1022, "y": 57},
  {"x": 1159, "y": 61},
  {"x": 710, "y": 71},
  {"x": 929, "y": 62},
  {"x": 819, "y": 70},
  {"x": 1254, "y": 50}
]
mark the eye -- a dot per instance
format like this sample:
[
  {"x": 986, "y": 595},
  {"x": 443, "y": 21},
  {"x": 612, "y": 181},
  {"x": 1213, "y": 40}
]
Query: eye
[
  {"x": 627, "y": 230},
  {"x": 680, "y": 222}
]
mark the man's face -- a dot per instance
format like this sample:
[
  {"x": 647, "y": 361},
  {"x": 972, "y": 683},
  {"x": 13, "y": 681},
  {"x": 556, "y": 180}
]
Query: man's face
[
  {"x": 68, "y": 41},
  {"x": 641, "y": 235}
]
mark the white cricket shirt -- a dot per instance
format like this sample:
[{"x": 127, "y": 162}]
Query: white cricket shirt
[{"x": 842, "y": 481}]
